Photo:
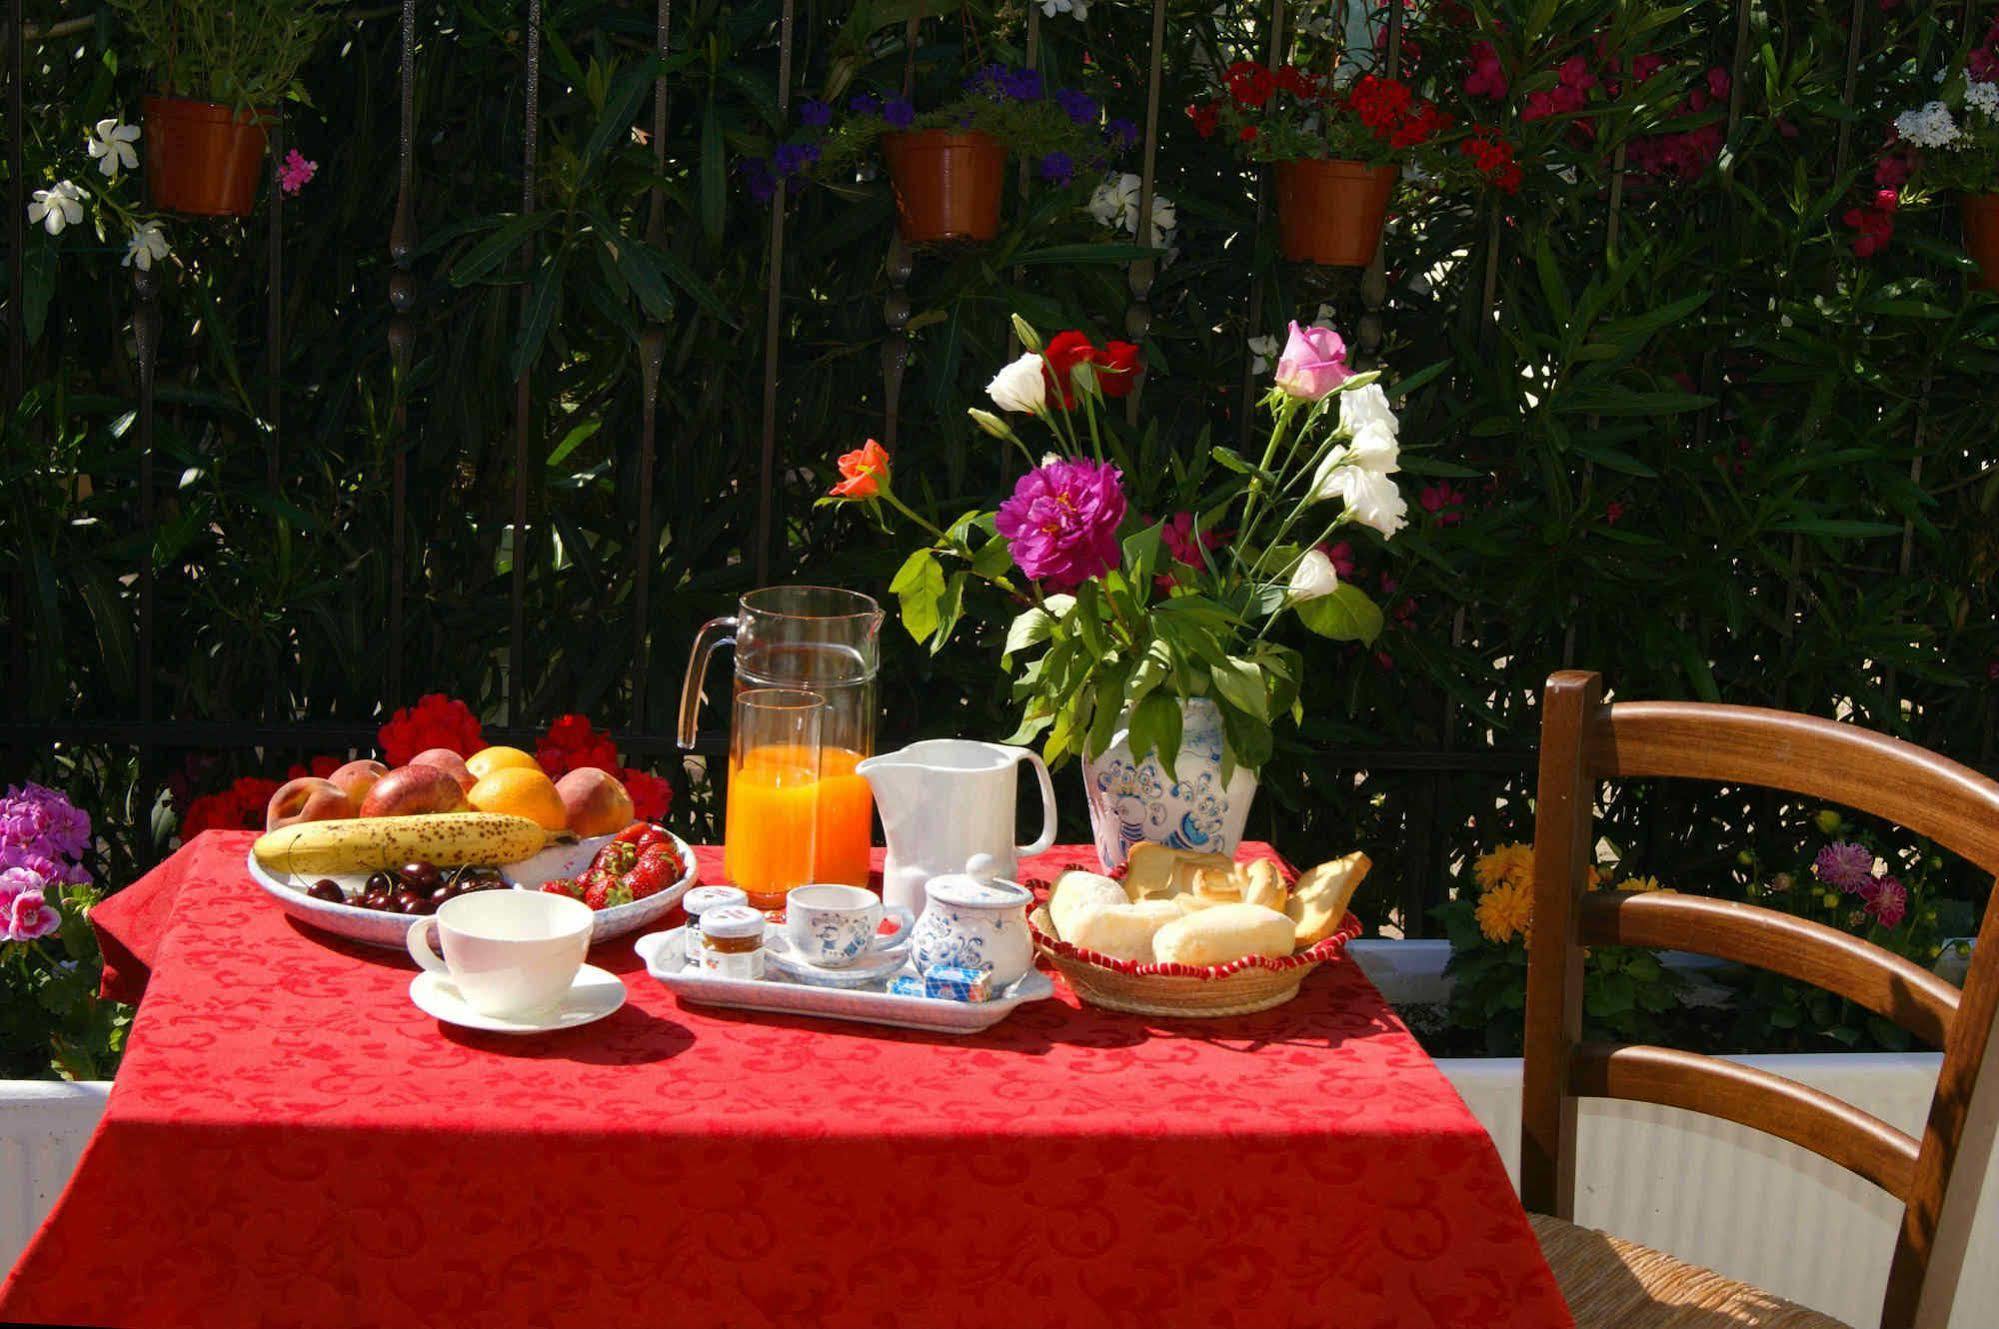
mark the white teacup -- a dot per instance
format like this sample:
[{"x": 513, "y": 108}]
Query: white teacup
[
  {"x": 834, "y": 926},
  {"x": 507, "y": 952}
]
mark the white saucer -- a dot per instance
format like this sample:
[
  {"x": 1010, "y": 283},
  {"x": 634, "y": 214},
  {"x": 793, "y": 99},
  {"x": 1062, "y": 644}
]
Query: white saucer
[
  {"x": 594, "y": 995},
  {"x": 871, "y": 968}
]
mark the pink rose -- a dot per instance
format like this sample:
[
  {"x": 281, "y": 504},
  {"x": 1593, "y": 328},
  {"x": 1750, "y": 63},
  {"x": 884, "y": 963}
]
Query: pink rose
[{"x": 1313, "y": 364}]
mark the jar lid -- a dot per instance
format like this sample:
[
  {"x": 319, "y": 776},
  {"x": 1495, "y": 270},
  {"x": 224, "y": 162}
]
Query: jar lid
[
  {"x": 732, "y": 920},
  {"x": 703, "y": 898},
  {"x": 979, "y": 886}
]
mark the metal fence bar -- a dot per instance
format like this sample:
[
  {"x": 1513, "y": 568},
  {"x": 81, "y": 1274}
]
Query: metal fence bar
[
  {"x": 146, "y": 332},
  {"x": 524, "y": 385},
  {"x": 652, "y": 357},
  {"x": 1374, "y": 279},
  {"x": 402, "y": 296},
  {"x": 1254, "y": 318},
  {"x": 773, "y": 310},
  {"x": 899, "y": 266},
  {"x": 16, "y": 205},
  {"x": 274, "y": 314},
  {"x": 1141, "y": 274}
]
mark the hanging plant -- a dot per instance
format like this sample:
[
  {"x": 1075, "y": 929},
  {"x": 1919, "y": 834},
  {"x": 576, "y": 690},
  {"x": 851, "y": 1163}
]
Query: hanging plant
[
  {"x": 947, "y": 166},
  {"x": 221, "y": 67},
  {"x": 1950, "y": 143}
]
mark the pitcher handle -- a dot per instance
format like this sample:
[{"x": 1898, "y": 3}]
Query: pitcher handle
[
  {"x": 1048, "y": 815},
  {"x": 715, "y": 632}
]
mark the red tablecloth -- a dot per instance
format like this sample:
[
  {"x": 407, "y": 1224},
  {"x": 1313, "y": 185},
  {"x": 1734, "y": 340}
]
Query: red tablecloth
[{"x": 291, "y": 1142}]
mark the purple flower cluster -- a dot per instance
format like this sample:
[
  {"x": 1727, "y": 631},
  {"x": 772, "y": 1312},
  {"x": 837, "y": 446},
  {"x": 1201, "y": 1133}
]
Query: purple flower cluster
[
  {"x": 1080, "y": 107},
  {"x": 1846, "y": 865},
  {"x": 1004, "y": 83},
  {"x": 44, "y": 833},
  {"x": 1057, "y": 168},
  {"x": 1061, "y": 522}
]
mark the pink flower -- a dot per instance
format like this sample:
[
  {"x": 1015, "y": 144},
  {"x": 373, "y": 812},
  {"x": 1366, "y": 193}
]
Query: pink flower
[
  {"x": 1313, "y": 364},
  {"x": 1892, "y": 171},
  {"x": 24, "y": 910},
  {"x": 1888, "y": 901},
  {"x": 1576, "y": 74},
  {"x": 1487, "y": 77},
  {"x": 1177, "y": 534},
  {"x": 1847, "y": 865},
  {"x": 1718, "y": 82},
  {"x": 1645, "y": 66},
  {"x": 1443, "y": 502},
  {"x": 1613, "y": 511},
  {"x": 295, "y": 172},
  {"x": 1342, "y": 558},
  {"x": 1061, "y": 522}
]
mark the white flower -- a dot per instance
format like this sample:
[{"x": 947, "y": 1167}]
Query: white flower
[
  {"x": 1373, "y": 451},
  {"x": 111, "y": 143},
  {"x": 56, "y": 208},
  {"x": 1020, "y": 386},
  {"x": 1930, "y": 127},
  {"x": 1371, "y": 498},
  {"x": 1079, "y": 9},
  {"x": 1983, "y": 98},
  {"x": 1114, "y": 203},
  {"x": 1324, "y": 318},
  {"x": 1262, "y": 354},
  {"x": 1360, "y": 407},
  {"x": 147, "y": 246},
  {"x": 1314, "y": 576}
]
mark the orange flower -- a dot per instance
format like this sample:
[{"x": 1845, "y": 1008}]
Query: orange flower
[{"x": 862, "y": 471}]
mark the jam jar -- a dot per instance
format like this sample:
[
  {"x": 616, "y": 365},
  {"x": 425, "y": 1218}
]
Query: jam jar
[
  {"x": 697, "y": 902},
  {"x": 732, "y": 942}
]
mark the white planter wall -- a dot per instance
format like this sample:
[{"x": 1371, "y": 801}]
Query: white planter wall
[
  {"x": 43, "y": 1128},
  {"x": 1742, "y": 1203}
]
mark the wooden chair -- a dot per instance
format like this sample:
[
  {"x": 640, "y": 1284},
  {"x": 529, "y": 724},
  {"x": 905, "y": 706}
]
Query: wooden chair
[{"x": 1583, "y": 742}]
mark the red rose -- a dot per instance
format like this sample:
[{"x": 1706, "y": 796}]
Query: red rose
[
  {"x": 436, "y": 721},
  {"x": 652, "y": 797},
  {"x": 1250, "y": 84},
  {"x": 240, "y": 807},
  {"x": 1065, "y": 350},
  {"x": 571, "y": 743},
  {"x": 1117, "y": 368}
]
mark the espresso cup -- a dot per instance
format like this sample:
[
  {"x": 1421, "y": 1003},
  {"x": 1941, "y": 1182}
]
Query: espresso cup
[
  {"x": 507, "y": 952},
  {"x": 834, "y": 926}
]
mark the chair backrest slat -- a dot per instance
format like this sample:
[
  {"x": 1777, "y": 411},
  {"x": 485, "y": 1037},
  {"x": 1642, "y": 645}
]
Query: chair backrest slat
[
  {"x": 1813, "y": 953},
  {"x": 1829, "y": 1127},
  {"x": 1584, "y": 742}
]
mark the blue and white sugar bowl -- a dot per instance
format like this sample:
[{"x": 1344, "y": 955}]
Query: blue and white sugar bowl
[{"x": 974, "y": 920}]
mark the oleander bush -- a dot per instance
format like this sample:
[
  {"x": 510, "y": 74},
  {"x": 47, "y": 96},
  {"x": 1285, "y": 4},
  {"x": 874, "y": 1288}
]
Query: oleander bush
[{"x": 1659, "y": 417}]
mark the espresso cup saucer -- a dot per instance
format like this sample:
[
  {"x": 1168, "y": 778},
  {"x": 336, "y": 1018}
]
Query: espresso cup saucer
[
  {"x": 870, "y": 969},
  {"x": 593, "y": 995}
]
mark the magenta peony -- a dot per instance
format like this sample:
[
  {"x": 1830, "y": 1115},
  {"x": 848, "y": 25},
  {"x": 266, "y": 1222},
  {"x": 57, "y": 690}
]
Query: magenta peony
[{"x": 1062, "y": 522}]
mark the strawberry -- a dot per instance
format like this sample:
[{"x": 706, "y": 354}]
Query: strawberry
[
  {"x": 658, "y": 866},
  {"x": 653, "y": 835},
  {"x": 616, "y": 858},
  {"x": 563, "y": 886},
  {"x": 631, "y": 833},
  {"x": 604, "y": 892}
]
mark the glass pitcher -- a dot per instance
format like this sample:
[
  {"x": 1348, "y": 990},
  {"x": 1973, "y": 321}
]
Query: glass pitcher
[{"x": 820, "y": 639}]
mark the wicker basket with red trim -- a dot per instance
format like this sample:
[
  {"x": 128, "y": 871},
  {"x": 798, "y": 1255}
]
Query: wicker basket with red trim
[{"x": 1200, "y": 992}]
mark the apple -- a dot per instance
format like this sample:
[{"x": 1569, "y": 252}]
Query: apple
[
  {"x": 308, "y": 798},
  {"x": 358, "y": 777},
  {"x": 414, "y": 789},
  {"x": 444, "y": 759},
  {"x": 594, "y": 802}
]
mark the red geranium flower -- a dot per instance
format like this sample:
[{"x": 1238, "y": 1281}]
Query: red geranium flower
[
  {"x": 321, "y": 767},
  {"x": 1117, "y": 368},
  {"x": 652, "y": 797},
  {"x": 240, "y": 807},
  {"x": 571, "y": 743},
  {"x": 436, "y": 721},
  {"x": 1250, "y": 84},
  {"x": 1065, "y": 350},
  {"x": 1205, "y": 117}
]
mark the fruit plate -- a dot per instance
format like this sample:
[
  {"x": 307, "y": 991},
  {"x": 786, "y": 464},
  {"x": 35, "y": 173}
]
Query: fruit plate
[
  {"x": 666, "y": 961},
  {"x": 373, "y": 927}
]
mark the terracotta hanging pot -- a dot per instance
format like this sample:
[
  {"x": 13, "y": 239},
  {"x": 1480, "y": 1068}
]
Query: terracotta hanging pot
[
  {"x": 204, "y": 158},
  {"x": 1330, "y": 212},
  {"x": 947, "y": 184},
  {"x": 1981, "y": 234}
]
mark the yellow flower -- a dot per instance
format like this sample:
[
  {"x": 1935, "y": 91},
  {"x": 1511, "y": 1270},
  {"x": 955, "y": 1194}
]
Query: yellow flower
[
  {"x": 1509, "y": 864},
  {"x": 1640, "y": 885},
  {"x": 1507, "y": 909}
]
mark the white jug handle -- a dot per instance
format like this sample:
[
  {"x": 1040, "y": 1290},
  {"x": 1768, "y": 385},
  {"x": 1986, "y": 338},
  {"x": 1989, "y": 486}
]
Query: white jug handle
[{"x": 1046, "y": 839}]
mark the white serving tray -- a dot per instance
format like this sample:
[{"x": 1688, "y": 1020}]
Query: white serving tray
[
  {"x": 372, "y": 927},
  {"x": 667, "y": 962}
]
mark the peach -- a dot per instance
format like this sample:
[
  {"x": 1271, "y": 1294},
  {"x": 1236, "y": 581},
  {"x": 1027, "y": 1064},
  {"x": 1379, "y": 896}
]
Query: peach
[
  {"x": 444, "y": 759},
  {"x": 594, "y": 802},
  {"x": 358, "y": 777},
  {"x": 414, "y": 789},
  {"x": 308, "y": 798}
]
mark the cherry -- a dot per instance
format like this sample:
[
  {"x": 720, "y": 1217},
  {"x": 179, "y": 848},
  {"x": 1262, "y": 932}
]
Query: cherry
[{"x": 325, "y": 889}]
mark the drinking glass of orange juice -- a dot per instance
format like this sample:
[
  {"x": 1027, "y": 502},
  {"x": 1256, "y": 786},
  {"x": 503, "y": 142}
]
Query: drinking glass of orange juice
[{"x": 772, "y": 819}]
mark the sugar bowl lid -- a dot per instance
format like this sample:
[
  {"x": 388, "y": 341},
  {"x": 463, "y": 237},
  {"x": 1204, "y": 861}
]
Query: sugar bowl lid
[{"x": 979, "y": 886}]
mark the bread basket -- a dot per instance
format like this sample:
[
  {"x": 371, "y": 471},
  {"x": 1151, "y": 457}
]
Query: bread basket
[{"x": 1241, "y": 987}]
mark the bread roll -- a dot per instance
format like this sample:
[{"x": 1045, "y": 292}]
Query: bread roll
[
  {"x": 1319, "y": 899},
  {"x": 1188, "y": 866},
  {"x": 1221, "y": 885},
  {"x": 1077, "y": 893},
  {"x": 1263, "y": 883},
  {"x": 1149, "y": 870},
  {"x": 1124, "y": 931},
  {"x": 1223, "y": 933}
]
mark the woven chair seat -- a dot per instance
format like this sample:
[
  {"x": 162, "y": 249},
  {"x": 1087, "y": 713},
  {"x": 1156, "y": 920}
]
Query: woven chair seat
[{"x": 1610, "y": 1283}]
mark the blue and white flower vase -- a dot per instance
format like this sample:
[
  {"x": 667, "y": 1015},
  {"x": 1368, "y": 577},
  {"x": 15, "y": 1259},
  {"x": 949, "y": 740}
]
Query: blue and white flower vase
[{"x": 1132, "y": 799}]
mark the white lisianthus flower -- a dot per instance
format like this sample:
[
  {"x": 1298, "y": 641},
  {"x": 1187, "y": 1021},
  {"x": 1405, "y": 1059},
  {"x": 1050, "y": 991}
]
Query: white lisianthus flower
[
  {"x": 1021, "y": 386},
  {"x": 56, "y": 207},
  {"x": 1374, "y": 448},
  {"x": 1983, "y": 98},
  {"x": 1313, "y": 577},
  {"x": 1077, "y": 9},
  {"x": 1114, "y": 203},
  {"x": 1361, "y": 407},
  {"x": 1371, "y": 497},
  {"x": 110, "y": 145},
  {"x": 1262, "y": 354},
  {"x": 1929, "y": 127},
  {"x": 147, "y": 246}
]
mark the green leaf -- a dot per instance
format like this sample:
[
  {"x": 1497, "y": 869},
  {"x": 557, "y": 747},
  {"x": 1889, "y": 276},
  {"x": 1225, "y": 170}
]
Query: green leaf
[
  {"x": 543, "y": 298},
  {"x": 1155, "y": 727},
  {"x": 1028, "y": 628},
  {"x": 949, "y": 606},
  {"x": 1243, "y": 685},
  {"x": 714, "y": 176},
  {"x": 620, "y": 107},
  {"x": 489, "y": 253},
  {"x": 38, "y": 285},
  {"x": 1071, "y": 255},
  {"x": 919, "y": 585},
  {"x": 572, "y": 440},
  {"x": 684, "y": 277},
  {"x": 1837, "y": 527},
  {"x": 1345, "y": 615},
  {"x": 995, "y": 556}
]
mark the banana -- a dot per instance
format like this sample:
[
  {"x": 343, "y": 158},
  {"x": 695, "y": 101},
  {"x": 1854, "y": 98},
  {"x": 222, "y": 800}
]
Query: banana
[{"x": 363, "y": 844}]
